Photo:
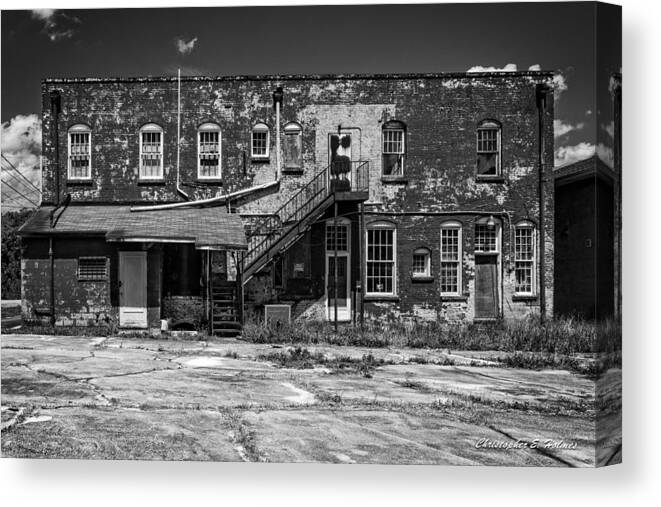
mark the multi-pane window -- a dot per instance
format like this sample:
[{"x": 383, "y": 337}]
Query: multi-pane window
[
  {"x": 524, "y": 258},
  {"x": 488, "y": 149},
  {"x": 393, "y": 149},
  {"x": 151, "y": 152},
  {"x": 92, "y": 268},
  {"x": 260, "y": 141},
  {"x": 293, "y": 146},
  {"x": 80, "y": 152},
  {"x": 486, "y": 238},
  {"x": 337, "y": 237},
  {"x": 208, "y": 151},
  {"x": 421, "y": 263},
  {"x": 451, "y": 259},
  {"x": 380, "y": 273}
]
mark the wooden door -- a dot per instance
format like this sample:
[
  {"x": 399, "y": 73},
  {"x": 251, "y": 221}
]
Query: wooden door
[
  {"x": 486, "y": 286},
  {"x": 133, "y": 289}
]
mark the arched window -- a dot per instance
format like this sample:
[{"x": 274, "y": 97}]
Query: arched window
[
  {"x": 80, "y": 152},
  {"x": 421, "y": 263},
  {"x": 451, "y": 259},
  {"x": 488, "y": 150},
  {"x": 394, "y": 148},
  {"x": 208, "y": 151},
  {"x": 524, "y": 258},
  {"x": 381, "y": 259},
  {"x": 151, "y": 151},
  {"x": 293, "y": 146},
  {"x": 260, "y": 140}
]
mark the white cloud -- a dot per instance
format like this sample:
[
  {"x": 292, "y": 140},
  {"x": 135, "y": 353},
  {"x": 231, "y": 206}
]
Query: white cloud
[
  {"x": 57, "y": 24},
  {"x": 569, "y": 154},
  {"x": 535, "y": 67},
  {"x": 609, "y": 128},
  {"x": 561, "y": 128},
  {"x": 184, "y": 47},
  {"x": 21, "y": 145},
  {"x": 559, "y": 84},
  {"x": 588, "y": 112},
  {"x": 510, "y": 67}
]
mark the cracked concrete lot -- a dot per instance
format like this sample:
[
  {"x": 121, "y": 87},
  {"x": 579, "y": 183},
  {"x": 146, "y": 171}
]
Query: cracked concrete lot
[{"x": 225, "y": 400}]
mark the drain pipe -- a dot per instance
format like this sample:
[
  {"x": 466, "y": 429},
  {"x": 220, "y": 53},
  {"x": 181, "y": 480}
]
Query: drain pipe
[
  {"x": 179, "y": 190},
  {"x": 277, "y": 102},
  {"x": 55, "y": 107},
  {"x": 542, "y": 91}
]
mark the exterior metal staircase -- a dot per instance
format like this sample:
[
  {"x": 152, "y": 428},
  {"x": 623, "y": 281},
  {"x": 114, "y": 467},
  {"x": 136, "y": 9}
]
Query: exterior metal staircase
[
  {"x": 340, "y": 181},
  {"x": 225, "y": 310}
]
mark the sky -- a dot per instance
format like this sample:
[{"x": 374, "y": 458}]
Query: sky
[{"x": 331, "y": 39}]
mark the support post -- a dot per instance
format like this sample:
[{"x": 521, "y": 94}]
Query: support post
[
  {"x": 335, "y": 262},
  {"x": 51, "y": 257},
  {"x": 542, "y": 91}
]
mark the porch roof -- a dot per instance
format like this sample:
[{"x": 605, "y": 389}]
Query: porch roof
[{"x": 208, "y": 228}]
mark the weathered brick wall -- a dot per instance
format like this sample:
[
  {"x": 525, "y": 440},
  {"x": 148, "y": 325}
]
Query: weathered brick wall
[{"x": 441, "y": 114}]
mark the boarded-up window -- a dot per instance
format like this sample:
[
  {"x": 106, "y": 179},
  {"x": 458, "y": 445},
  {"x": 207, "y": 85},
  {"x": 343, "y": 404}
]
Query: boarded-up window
[
  {"x": 93, "y": 268},
  {"x": 293, "y": 146}
]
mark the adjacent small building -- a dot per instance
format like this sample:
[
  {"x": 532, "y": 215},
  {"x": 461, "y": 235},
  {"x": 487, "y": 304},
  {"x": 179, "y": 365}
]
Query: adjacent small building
[{"x": 209, "y": 201}]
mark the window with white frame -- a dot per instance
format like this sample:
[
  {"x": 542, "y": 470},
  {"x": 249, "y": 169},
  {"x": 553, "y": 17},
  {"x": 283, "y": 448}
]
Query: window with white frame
[
  {"x": 488, "y": 149},
  {"x": 421, "y": 263},
  {"x": 524, "y": 258},
  {"x": 337, "y": 236},
  {"x": 381, "y": 259},
  {"x": 259, "y": 146},
  {"x": 393, "y": 136},
  {"x": 451, "y": 253},
  {"x": 151, "y": 152},
  {"x": 93, "y": 268},
  {"x": 80, "y": 152},
  {"x": 208, "y": 151}
]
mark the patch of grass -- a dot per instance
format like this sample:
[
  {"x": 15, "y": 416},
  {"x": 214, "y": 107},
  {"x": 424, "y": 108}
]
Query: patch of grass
[
  {"x": 564, "y": 336},
  {"x": 302, "y": 359},
  {"x": 232, "y": 354}
]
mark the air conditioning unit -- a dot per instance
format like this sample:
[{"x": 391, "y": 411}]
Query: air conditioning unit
[{"x": 277, "y": 315}]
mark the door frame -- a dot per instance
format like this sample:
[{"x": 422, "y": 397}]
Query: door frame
[
  {"x": 343, "y": 313},
  {"x": 498, "y": 254},
  {"x": 330, "y": 312},
  {"x": 123, "y": 254}
]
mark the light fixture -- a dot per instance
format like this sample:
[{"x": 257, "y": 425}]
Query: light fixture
[{"x": 491, "y": 223}]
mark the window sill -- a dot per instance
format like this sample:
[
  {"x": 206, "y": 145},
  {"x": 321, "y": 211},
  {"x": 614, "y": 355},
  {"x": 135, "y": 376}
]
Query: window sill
[
  {"x": 80, "y": 182},
  {"x": 295, "y": 171},
  {"x": 260, "y": 160},
  {"x": 453, "y": 297},
  {"x": 210, "y": 181},
  {"x": 524, "y": 297},
  {"x": 422, "y": 279},
  {"x": 490, "y": 179},
  {"x": 155, "y": 181},
  {"x": 394, "y": 179},
  {"x": 381, "y": 297}
]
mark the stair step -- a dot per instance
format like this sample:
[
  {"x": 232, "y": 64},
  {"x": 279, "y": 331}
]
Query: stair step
[
  {"x": 227, "y": 324},
  {"x": 220, "y": 301}
]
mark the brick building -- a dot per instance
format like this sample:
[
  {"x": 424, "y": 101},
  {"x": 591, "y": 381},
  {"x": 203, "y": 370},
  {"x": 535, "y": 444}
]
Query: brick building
[{"x": 425, "y": 197}]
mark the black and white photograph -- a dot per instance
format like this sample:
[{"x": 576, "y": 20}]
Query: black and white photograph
[{"x": 338, "y": 234}]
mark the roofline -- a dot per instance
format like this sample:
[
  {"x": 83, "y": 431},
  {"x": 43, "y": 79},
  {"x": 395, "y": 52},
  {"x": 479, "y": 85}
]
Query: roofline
[{"x": 302, "y": 77}]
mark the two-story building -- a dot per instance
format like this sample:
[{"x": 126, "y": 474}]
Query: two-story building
[{"x": 206, "y": 200}]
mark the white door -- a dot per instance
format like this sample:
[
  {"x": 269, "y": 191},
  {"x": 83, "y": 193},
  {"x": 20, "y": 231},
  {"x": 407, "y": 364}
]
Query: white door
[
  {"x": 133, "y": 289},
  {"x": 338, "y": 295}
]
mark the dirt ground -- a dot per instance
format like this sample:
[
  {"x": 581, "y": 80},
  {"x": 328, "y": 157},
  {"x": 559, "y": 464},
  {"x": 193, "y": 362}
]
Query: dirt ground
[{"x": 227, "y": 400}]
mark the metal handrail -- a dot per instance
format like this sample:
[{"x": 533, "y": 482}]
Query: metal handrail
[{"x": 271, "y": 228}]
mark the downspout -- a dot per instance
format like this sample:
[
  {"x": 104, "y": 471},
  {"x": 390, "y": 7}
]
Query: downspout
[
  {"x": 55, "y": 107},
  {"x": 277, "y": 100},
  {"x": 179, "y": 190},
  {"x": 542, "y": 90}
]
